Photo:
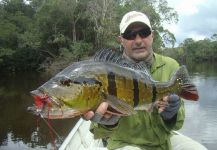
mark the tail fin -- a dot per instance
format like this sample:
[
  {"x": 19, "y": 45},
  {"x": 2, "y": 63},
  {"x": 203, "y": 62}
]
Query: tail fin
[{"x": 188, "y": 89}]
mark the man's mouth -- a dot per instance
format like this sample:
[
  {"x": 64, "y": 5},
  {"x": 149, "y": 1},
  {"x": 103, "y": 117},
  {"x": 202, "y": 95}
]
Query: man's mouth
[{"x": 139, "y": 48}]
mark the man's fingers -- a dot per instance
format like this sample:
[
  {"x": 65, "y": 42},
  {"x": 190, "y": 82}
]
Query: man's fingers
[
  {"x": 162, "y": 104},
  {"x": 101, "y": 115},
  {"x": 107, "y": 115},
  {"x": 172, "y": 109},
  {"x": 161, "y": 109},
  {"x": 165, "y": 98},
  {"x": 102, "y": 108},
  {"x": 88, "y": 115}
]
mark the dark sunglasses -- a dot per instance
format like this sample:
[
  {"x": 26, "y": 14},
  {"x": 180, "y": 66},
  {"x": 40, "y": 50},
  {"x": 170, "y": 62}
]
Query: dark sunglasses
[{"x": 131, "y": 35}]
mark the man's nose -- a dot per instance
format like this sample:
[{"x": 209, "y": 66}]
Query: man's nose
[{"x": 138, "y": 39}]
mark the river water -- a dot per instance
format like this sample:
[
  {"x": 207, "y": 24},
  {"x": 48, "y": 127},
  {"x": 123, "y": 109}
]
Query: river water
[
  {"x": 20, "y": 129},
  {"x": 201, "y": 117}
]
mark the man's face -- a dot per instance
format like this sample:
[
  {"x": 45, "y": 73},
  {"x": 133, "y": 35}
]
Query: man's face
[{"x": 137, "y": 41}]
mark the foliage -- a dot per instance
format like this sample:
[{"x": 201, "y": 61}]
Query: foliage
[
  {"x": 5, "y": 52},
  {"x": 37, "y": 34},
  {"x": 176, "y": 53},
  {"x": 191, "y": 50},
  {"x": 81, "y": 49}
]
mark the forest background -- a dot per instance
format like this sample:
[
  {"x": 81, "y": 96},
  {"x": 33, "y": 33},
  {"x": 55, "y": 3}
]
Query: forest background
[{"x": 48, "y": 35}]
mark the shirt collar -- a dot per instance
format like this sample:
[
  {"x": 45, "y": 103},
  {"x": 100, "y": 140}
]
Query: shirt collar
[{"x": 157, "y": 63}]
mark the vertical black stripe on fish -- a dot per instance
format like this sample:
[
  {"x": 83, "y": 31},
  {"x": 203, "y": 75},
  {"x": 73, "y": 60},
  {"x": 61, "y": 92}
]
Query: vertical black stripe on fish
[
  {"x": 135, "y": 92},
  {"x": 112, "y": 90},
  {"x": 154, "y": 93}
]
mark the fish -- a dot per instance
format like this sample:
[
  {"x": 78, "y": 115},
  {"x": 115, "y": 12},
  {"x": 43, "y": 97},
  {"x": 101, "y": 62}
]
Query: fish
[{"x": 127, "y": 87}]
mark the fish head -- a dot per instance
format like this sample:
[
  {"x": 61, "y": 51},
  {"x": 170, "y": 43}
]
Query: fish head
[{"x": 63, "y": 97}]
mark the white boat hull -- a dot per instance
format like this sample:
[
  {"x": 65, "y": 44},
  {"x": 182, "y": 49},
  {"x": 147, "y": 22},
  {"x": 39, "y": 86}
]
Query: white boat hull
[{"x": 80, "y": 138}]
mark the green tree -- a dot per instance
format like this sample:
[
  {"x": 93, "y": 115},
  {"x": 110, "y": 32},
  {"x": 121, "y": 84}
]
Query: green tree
[
  {"x": 102, "y": 14},
  {"x": 16, "y": 19},
  {"x": 72, "y": 10},
  {"x": 202, "y": 50},
  {"x": 49, "y": 31}
]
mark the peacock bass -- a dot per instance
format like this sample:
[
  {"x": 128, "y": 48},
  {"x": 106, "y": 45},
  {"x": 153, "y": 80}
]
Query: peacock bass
[{"x": 126, "y": 87}]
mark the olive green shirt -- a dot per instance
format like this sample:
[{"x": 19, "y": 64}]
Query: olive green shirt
[{"x": 144, "y": 129}]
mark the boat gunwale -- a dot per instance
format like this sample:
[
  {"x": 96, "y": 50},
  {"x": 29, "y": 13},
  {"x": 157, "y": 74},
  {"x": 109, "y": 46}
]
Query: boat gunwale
[{"x": 71, "y": 134}]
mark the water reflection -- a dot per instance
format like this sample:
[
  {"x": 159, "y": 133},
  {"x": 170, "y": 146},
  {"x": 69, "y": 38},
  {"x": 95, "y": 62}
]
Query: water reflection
[
  {"x": 201, "y": 120},
  {"x": 20, "y": 129}
]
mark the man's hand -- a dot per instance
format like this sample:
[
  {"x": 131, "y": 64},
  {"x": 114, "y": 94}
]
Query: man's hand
[
  {"x": 168, "y": 106},
  {"x": 102, "y": 116}
]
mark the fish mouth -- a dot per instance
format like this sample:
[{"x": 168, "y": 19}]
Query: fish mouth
[
  {"x": 42, "y": 102},
  {"x": 50, "y": 107}
]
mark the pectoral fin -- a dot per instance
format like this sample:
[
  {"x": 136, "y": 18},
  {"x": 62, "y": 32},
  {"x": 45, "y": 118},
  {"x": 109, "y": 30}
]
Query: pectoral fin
[
  {"x": 118, "y": 106},
  {"x": 147, "y": 107}
]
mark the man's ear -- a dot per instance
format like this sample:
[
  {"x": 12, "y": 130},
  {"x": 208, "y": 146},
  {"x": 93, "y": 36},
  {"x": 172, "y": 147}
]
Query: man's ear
[
  {"x": 119, "y": 39},
  {"x": 152, "y": 34}
]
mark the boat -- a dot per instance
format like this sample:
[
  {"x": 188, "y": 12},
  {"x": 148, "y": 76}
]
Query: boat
[{"x": 80, "y": 138}]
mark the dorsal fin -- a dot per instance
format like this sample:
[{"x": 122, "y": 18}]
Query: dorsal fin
[
  {"x": 116, "y": 57},
  {"x": 107, "y": 55}
]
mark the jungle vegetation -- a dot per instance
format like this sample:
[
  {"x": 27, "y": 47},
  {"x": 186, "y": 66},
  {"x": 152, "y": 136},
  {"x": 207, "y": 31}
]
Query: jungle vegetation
[{"x": 50, "y": 34}]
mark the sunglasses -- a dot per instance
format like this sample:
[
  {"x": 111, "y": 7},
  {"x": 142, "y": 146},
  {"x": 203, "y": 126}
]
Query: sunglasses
[{"x": 131, "y": 35}]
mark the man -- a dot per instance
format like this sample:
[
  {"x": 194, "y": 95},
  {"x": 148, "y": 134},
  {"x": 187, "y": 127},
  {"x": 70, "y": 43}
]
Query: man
[{"x": 143, "y": 130}]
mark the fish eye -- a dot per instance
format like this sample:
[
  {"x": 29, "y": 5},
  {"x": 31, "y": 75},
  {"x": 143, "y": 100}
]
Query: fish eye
[{"x": 65, "y": 81}]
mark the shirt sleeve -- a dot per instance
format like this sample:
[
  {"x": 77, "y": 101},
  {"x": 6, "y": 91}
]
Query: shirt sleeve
[{"x": 101, "y": 131}]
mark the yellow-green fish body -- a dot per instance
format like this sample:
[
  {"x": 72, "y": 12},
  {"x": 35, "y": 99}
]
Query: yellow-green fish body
[{"x": 84, "y": 85}]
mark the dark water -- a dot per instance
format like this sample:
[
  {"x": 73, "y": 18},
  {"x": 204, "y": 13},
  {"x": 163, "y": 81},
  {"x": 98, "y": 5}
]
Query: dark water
[{"x": 20, "y": 129}]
